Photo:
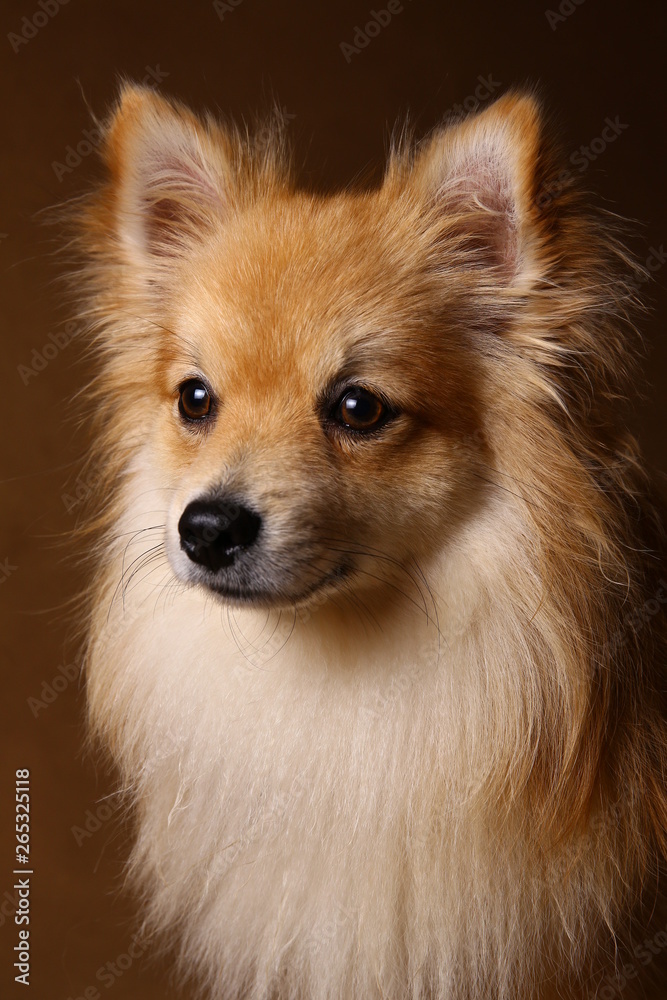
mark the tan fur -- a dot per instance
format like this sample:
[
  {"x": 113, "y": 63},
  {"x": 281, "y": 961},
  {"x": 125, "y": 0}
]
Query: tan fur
[{"x": 444, "y": 775}]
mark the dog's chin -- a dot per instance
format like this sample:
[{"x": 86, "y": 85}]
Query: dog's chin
[{"x": 266, "y": 597}]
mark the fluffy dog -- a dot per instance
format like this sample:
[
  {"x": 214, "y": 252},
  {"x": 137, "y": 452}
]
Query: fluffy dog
[{"x": 377, "y": 628}]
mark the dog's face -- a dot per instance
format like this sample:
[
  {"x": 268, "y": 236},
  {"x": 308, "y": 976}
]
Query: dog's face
[
  {"x": 312, "y": 399},
  {"x": 312, "y": 411}
]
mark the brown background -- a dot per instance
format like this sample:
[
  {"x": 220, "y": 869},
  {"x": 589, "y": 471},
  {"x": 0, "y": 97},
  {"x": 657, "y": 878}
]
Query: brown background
[{"x": 603, "y": 60}]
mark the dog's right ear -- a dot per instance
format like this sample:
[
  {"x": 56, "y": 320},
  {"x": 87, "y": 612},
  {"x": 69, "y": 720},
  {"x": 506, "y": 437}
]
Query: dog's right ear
[{"x": 170, "y": 177}]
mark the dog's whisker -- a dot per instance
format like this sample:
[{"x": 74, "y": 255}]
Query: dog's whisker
[
  {"x": 147, "y": 559},
  {"x": 422, "y": 605},
  {"x": 375, "y": 553}
]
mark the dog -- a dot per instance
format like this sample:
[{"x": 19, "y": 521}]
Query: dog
[{"x": 376, "y": 625}]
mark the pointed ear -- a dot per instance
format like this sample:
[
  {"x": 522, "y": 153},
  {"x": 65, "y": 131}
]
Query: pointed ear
[
  {"x": 478, "y": 179},
  {"x": 170, "y": 176}
]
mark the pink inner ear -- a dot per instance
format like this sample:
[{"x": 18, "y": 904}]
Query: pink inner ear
[
  {"x": 481, "y": 213},
  {"x": 166, "y": 221},
  {"x": 177, "y": 201}
]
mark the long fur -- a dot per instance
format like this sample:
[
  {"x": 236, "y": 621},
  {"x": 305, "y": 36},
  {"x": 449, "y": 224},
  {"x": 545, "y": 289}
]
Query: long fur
[{"x": 445, "y": 776}]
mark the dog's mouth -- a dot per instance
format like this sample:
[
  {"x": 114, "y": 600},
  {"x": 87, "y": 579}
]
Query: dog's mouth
[{"x": 277, "y": 597}]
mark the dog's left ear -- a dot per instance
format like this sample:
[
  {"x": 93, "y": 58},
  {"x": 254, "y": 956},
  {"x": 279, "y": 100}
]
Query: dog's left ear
[{"x": 477, "y": 180}]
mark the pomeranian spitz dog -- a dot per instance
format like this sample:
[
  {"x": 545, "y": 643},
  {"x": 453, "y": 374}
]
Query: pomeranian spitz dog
[{"x": 377, "y": 636}]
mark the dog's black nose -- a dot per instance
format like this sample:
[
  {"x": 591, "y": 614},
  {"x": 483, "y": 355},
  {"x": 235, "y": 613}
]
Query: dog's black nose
[{"x": 213, "y": 531}]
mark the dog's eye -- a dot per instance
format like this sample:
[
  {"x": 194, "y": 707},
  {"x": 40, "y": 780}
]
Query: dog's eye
[
  {"x": 194, "y": 400},
  {"x": 360, "y": 410}
]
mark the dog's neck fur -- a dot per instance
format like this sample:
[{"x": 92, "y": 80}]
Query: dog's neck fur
[{"x": 348, "y": 827}]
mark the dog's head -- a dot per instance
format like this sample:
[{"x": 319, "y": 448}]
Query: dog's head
[{"x": 307, "y": 377}]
